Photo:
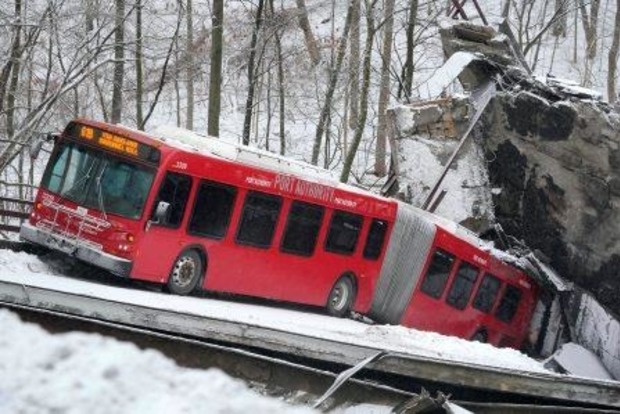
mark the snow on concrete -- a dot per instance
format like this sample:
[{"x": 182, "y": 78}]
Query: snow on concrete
[
  {"x": 28, "y": 270},
  {"x": 88, "y": 373}
]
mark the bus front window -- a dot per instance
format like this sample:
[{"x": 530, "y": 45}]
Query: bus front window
[{"x": 97, "y": 180}]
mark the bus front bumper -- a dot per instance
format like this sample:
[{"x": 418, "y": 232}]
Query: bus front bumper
[{"x": 114, "y": 264}]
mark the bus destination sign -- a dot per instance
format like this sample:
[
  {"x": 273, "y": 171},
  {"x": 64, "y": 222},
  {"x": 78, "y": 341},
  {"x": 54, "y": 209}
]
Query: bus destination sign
[{"x": 118, "y": 144}]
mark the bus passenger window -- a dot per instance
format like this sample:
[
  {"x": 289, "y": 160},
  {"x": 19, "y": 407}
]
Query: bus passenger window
[
  {"x": 375, "y": 239},
  {"x": 463, "y": 284},
  {"x": 174, "y": 190},
  {"x": 343, "y": 232},
  {"x": 302, "y": 228},
  {"x": 437, "y": 274},
  {"x": 509, "y": 304},
  {"x": 258, "y": 222},
  {"x": 212, "y": 210},
  {"x": 487, "y": 292}
]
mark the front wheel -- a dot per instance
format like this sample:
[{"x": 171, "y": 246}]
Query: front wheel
[
  {"x": 480, "y": 336},
  {"x": 185, "y": 273},
  {"x": 341, "y": 297}
]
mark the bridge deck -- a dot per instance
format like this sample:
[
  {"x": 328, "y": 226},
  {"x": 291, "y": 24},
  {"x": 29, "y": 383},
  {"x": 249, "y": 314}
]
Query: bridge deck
[{"x": 311, "y": 336}]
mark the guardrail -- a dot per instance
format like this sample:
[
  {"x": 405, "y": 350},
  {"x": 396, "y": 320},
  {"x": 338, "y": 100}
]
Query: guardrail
[{"x": 8, "y": 209}]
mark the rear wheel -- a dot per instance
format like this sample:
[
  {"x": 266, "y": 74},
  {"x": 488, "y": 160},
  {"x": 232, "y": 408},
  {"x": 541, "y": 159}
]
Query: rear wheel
[
  {"x": 341, "y": 297},
  {"x": 185, "y": 273}
]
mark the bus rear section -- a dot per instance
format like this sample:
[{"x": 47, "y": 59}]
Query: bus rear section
[{"x": 456, "y": 288}]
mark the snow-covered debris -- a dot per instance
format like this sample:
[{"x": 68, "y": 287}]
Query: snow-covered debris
[
  {"x": 87, "y": 373},
  {"x": 570, "y": 87},
  {"x": 446, "y": 74},
  {"x": 575, "y": 359}
]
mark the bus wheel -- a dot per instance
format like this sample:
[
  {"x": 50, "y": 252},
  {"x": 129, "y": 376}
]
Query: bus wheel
[
  {"x": 340, "y": 300},
  {"x": 480, "y": 336},
  {"x": 185, "y": 273}
]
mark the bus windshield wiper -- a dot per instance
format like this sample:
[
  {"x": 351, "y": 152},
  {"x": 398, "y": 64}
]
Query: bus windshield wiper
[
  {"x": 100, "y": 191},
  {"x": 81, "y": 182}
]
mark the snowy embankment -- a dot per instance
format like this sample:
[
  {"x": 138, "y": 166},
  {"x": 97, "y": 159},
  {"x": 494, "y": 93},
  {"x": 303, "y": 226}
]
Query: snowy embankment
[
  {"x": 28, "y": 270},
  {"x": 88, "y": 373}
]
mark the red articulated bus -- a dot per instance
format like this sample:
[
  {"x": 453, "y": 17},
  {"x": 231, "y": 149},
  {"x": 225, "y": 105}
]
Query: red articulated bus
[{"x": 193, "y": 212}]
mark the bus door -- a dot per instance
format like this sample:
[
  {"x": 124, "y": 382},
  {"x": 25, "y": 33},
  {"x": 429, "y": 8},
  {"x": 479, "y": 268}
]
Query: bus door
[{"x": 162, "y": 241}]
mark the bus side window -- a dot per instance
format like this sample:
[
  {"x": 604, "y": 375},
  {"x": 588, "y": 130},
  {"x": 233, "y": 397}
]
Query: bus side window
[
  {"x": 344, "y": 231},
  {"x": 174, "y": 190},
  {"x": 212, "y": 210},
  {"x": 375, "y": 239},
  {"x": 258, "y": 222},
  {"x": 437, "y": 274},
  {"x": 462, "y": 286},
  {"x": 509, "y": 304},
  {"x": 487, "y": 293},
  {"x": 302, "y": 228}
]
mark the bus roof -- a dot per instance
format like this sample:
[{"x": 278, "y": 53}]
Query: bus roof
[{"x": 187, "y": 140}]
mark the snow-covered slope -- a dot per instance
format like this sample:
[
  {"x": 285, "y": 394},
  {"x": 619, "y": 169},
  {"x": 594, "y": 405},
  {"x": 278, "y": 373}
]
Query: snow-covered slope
[{"x": 87, "y": 373}]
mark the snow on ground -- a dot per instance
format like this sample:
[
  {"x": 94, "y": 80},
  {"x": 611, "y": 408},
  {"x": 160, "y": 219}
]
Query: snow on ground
[
  {"x": 29, "y": 270},
  {"x": 88, "y": 373}
]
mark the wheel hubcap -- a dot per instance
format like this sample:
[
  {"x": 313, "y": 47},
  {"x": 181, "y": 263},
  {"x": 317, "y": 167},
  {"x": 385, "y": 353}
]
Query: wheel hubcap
[
  {"x": 340, "y": 296},
  {"x": 183, "y": 272}
]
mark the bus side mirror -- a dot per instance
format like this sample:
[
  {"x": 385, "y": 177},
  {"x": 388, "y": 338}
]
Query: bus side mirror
[{"x": 160, "y": 216}]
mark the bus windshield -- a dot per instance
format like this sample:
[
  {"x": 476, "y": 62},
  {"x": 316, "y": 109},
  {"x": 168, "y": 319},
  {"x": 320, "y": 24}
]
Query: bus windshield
[{"x": 96, "y": 179}]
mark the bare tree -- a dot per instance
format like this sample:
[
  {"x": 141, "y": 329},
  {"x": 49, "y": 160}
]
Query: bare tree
[
  {"x": 249, "y": 104},
  {"x": 119, "y": 62},
  {"x": 189, "y": 52},
  {"x": 354, "y": 64},
  {"x": 384, "y": 89},
  {"x": 590, "y": 25},
  {"x": 215, "y": 77},
  {"x": 333, "y": 80},
  {"x": 15, "y": 69},
  {"x": 281, "y": 96},
  {"x": 14, "y": 54},
  {"x": 139, "y": 63},
  {"x": 359, "y": 128},
  {"x": 612, "y": 63},
  {"x": 561, "y": 24},
  {"x": 304, "y": 24},
  {"x": 408, "y": 67}
]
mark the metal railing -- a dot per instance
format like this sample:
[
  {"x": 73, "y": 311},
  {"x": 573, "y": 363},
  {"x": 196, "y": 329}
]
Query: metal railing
[{"x": 13, "y": 208}]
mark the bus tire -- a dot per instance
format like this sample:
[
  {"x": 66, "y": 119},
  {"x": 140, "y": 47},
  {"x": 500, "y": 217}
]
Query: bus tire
[
  {"x": 186, "y": 273},
  {"x": 480, "y": 336},
  {"x": 341, "y": 297}
]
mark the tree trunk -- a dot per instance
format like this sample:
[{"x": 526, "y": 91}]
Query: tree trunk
[
  {"x": 189, "y": 52},
  {"x": 612, "y": 63},
  {"x": 139, "y": 72},
  {"x": 359, "y": 128},
  {"x": 7, "y": 69},
  {"x": 409, "y": 65},
  {"x": 249, "y": 103},
  {"x": 281, "y": 106},
  {"x": 215, "y": 75},
  {"x": 323, "y": 117},
  {"x": 354, "y": 64},
  {"x": 561, "y": 23},
  {"x": 15, "y": 68},
  {"x": 304, "y": 24},
  {"x": 384, "y": 90},
  {"x": 590, "y": 25},
  {"x": 119, "y": 63}
]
